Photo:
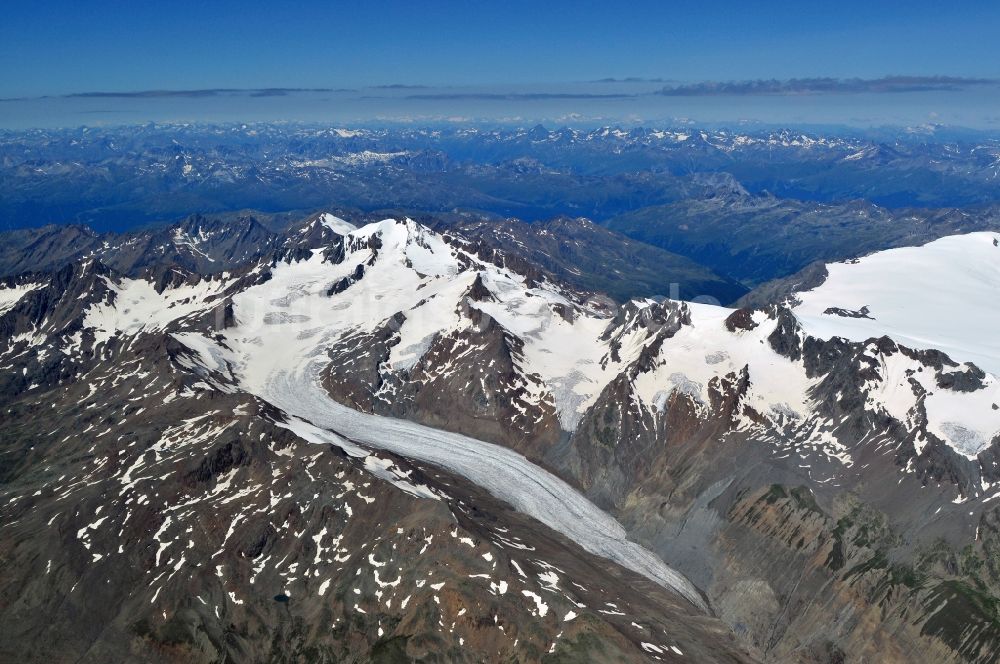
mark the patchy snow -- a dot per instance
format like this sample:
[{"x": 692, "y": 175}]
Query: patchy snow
[
  {"x": 567, "y": 355},
  {"x": 967, "y": 421},
  {"x": 183, "y": 239},
  {"x": 353, "y": 159},
  {"x": 541, "y": 608},
  {"x": 387, "y": 470}
]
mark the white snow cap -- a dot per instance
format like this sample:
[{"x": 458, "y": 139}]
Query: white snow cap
[
  {"x": 336, "y": 224},
  {"x": 941, "y": 295}
]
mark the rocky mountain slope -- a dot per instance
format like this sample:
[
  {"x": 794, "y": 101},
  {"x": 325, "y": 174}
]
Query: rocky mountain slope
[
  {"x": 757, "y": 238},
  {"x": 198, "y": 244},
  {"x": 589, "y": 257},
  {"x": 160, "y": 511},
  {"x": 819, "y": 476}
]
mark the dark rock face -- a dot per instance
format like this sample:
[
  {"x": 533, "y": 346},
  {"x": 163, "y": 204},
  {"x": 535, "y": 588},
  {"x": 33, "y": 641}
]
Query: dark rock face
[
  {"x": 501, "y": 404},
  {"x": 969, "y": 380},
  {"x": 658, "y": 321},
  {"x": 848, "y": 313},
  {"x": 197, "y": 244},
  {"x": 479, "y": 291},
  {"x": 356, "y": 376},
  {"x": 600, "y": 463},
  {"x": 301, "y": 240},
  {"x": 346, "y": 282},
  {"x": 741, "y": 319},
  {"x": 46, "y": 248},
  {"x": 783, "y": 290}
]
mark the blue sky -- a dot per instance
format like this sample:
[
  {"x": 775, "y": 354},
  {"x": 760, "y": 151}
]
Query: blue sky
[{"x": 62, "y": 47}]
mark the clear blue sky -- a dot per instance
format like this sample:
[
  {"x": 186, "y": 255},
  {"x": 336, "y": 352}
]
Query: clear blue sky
[{"x": 73, "y": 46}]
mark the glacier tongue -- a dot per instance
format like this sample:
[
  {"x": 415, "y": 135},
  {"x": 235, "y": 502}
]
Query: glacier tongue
[{"x": 503, "y": 472}]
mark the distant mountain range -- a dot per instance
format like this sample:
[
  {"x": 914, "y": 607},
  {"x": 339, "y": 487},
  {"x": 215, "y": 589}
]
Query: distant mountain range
[{"x": 118, "y": 178}]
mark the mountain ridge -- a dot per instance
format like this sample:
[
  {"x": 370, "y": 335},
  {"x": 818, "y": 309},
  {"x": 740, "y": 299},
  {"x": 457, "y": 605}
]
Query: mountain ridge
[{"x": 746, "y": 449}]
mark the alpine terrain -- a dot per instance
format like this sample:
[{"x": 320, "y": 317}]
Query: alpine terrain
[
  {"x": 499, "y": 333},
  {"x": 376, "y": 441}
]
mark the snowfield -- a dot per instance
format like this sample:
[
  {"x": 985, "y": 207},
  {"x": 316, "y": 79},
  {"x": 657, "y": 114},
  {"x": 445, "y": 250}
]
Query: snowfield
[
  {"x": 699, "y": 352},
  {"x": 138, "y": 307},
  {"x": 942, "y": 295},
  {"x": 336, "y": 224}
]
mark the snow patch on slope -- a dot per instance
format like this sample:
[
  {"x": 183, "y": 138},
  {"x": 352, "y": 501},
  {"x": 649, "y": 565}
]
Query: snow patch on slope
[
  {"x": 336, "y": 224},
  {"x": 11, "y": 295},
  {"x": 137, "y": 307},
  {"x": 705, "y": 349}
]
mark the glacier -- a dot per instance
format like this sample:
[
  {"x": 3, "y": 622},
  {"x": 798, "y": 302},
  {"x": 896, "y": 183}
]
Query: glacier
[{"x": 506, "y": 474}]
